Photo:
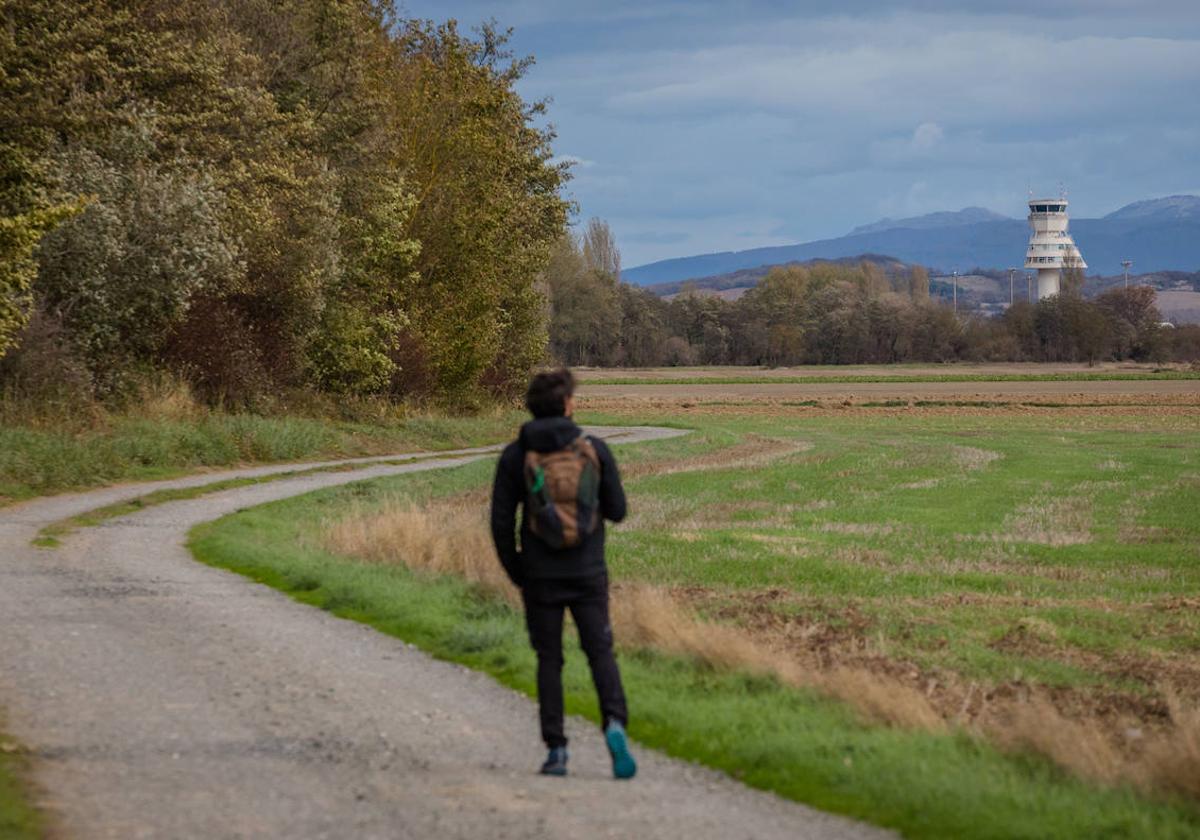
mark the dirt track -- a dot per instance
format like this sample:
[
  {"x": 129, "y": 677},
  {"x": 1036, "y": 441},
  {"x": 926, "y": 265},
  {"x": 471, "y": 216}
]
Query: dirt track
[{"x": 163, "y": 698}]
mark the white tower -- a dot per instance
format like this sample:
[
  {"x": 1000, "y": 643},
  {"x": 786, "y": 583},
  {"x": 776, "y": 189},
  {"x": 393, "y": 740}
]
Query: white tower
[{"x": 1051, "y": 248}]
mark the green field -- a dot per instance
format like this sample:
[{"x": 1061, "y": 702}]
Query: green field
[
  {"x": 942, "y": 534},
  {"x": 976, "y": 557}
]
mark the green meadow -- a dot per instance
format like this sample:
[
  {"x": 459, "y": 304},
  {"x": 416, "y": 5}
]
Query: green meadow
[{"x": 980, "y": 557}]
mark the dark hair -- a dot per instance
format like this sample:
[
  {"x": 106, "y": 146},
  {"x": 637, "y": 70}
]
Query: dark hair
[{"x": 548, "y": 392}]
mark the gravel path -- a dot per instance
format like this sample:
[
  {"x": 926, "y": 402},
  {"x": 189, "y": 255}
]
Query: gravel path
[{"x": 164, "y": 698}]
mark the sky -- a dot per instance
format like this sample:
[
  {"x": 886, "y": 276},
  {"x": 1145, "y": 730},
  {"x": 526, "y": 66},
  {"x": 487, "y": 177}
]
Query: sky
[{"x": 699, "y": 126}]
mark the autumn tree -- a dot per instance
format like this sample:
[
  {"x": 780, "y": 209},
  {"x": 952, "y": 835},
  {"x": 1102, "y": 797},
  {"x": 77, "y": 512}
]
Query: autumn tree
[
  {"x": 1134, "y": 322},
  {"x": 487, "y": 208},
  {"x": 918, "y": 283},
  {"x": 304, "y": 193},
  {"x": 599, "y": 249}
]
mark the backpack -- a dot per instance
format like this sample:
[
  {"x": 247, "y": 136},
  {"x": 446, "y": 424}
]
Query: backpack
[{"x": 563, "y": 493}]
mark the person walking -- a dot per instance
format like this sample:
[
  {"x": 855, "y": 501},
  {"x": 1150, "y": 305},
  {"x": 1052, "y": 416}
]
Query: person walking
[{"x": 567, "y": 485}]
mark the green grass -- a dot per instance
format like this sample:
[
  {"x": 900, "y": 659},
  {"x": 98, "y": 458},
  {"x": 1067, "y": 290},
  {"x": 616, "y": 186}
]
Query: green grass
[
  {"x": 37, "y": 461},
  {"x": 767, "y": 379},
  {"x": 795, "y": 742},
  {"x": 1084, "y": 521},
  {"x": 18, "y": 819}
]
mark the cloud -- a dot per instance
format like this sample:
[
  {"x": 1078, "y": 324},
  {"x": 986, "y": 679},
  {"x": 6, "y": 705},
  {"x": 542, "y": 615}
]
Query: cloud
[
  {"x": 573, "y": 161},
  {"x": 951, "y": 78},
  {"x": 926, "y": 136},
  {"x": 657, "y": 238},
  {"x": 790, "y": 122}
]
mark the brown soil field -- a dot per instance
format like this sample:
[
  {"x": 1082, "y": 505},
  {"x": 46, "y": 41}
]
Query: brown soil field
[
  {"x": 872, "y": 391},
  {"x": 997, "y": 368},
  {"x": 843, "y": 640}
]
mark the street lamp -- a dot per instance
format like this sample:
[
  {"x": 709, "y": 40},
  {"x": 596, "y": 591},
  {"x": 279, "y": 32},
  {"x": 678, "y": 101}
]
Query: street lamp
[
  {"x": 1011, "y": 272},
  {"x": 1126, "y": 264},
  {"x": 956, "y": 292}
]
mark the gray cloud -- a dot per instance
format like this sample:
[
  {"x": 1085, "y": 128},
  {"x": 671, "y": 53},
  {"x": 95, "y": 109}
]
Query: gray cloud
[{"x": 711, "y": 127}]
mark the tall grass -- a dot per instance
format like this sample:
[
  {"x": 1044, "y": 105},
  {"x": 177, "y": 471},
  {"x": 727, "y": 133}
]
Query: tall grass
[
  {"x": 451, "y": 538},
  {"x": 166, "y": 432}
]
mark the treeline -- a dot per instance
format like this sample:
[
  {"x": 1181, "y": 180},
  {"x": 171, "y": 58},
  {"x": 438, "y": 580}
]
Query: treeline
[
  {"x": 836, "y": 314},
  {"x": 262, "y": 195}
]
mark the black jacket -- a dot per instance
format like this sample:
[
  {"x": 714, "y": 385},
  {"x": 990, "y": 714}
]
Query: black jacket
[{"x": 535, "y": 560}]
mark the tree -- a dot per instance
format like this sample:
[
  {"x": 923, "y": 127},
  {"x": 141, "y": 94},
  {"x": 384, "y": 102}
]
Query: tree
[
  {"x": 1019, "y": 322},
  {"x": 774, "y": 313},
  {"x": 1088, "y": 330},
  {"x": 919, "y": 283},
  {"x": 123, "y": 273},
  {"x": 599, "y": 246},
  {"x": 644, "y": 332},
  {"x": 488, "y": 209},
  {"x": 345, "y": 193},
  {"x": 19, "y": 237},
  {"x": 585, "y": 311},
  {"x": 1072, "y": 277},
  {"x": 1134, "y": 320}
]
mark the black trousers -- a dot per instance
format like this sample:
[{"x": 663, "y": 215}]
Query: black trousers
[{"x": 587, "y": 599}]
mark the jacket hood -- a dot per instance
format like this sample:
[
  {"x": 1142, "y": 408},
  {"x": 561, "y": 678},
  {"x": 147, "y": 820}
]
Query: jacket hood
[{"x": 548, "y": 434}]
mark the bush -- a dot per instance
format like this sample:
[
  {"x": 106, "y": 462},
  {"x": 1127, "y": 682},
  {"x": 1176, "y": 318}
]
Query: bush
[
  {"x": 43, "y": 369},
  {"x": 217, "y": 350},
  {"x": 123, "y": 272}
]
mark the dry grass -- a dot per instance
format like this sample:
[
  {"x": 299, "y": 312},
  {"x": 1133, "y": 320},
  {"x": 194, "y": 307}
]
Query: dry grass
[
  {"x": 753, "y": 451},
  {"x": 972, "y": 458},
  {"x": 1173, "y": 763},
  {"x": 1052, "y": 521},
  {"x": 451, "y": 538},
  {"x": 167, "y": 398},
  {"x": 1168, "y": 760},
  {"x": 673, "y": 514},
  {"x": 1039, "y": 727}
]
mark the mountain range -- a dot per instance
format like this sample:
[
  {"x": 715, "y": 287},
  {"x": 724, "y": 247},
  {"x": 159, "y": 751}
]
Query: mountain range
[{"x": 1159, "y": 234}]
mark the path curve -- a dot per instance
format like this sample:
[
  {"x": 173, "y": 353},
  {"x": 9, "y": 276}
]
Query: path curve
[{"x": 163, "y": 698}]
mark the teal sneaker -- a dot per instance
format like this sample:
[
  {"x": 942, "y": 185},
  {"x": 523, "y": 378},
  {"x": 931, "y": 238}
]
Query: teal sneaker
[
  {"x": 624, "y": 767},
  {"x": 555, "y": 763}
]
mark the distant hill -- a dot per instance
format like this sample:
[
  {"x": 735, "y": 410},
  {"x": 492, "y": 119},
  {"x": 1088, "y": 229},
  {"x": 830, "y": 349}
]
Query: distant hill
[
  {"x": 1158, "y": 235},
  {"x": 942, "y": 219},
  {"x": 1178, "y": 207},
  {"x": 748, "y": 278}
]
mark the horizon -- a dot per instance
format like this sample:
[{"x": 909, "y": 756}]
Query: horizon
[{"x": 696, "y": 129}]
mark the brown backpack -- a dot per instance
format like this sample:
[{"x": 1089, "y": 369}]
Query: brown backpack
[{"x": 563, "y": 493}]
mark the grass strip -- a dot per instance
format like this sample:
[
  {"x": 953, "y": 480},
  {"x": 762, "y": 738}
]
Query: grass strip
[
  {"x": 40, "y": 460},
  {"x": 792, "y": 742},
  {"x": 1149, "y": 376},
  {"x": 51, "y": 536},
  {"x": 18, "y": 818}
]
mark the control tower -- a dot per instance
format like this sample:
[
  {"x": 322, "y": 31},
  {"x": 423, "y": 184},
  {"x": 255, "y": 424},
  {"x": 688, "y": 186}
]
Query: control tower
[{"x": 1051, "y": 248}]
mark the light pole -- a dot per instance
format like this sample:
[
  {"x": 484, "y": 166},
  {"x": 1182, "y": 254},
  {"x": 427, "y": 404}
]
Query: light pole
[
  {"x": 1011, "y": 272},
  {"x": 956, "y": 292},
  {"x": 1126, "y": 264},
  {"x": 1029, "y": 287}
]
